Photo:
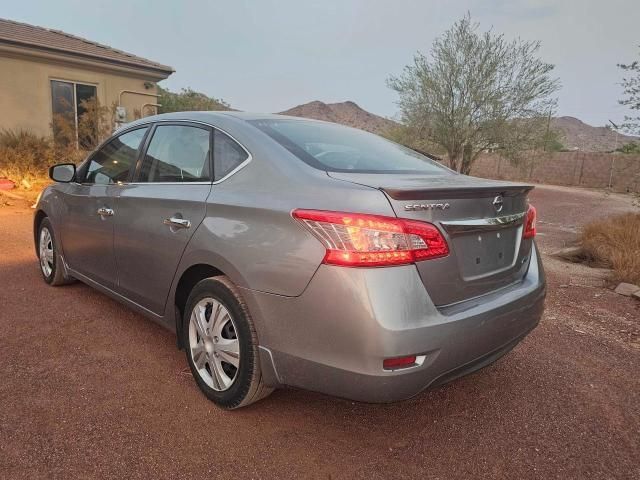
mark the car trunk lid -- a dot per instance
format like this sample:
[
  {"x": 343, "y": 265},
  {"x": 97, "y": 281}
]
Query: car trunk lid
[{"x": 482, "y": 221}]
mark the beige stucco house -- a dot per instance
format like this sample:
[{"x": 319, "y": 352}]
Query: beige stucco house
[{"x": 43, "y": 71}]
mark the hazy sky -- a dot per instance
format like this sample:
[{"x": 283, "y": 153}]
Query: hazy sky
[{"x": 268, "y": 55}]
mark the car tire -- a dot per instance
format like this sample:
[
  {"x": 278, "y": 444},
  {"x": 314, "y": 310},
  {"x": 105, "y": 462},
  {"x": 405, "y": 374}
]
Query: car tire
[
  {"x": 221, "y": 344},
  {"x": 51, "y": 265}
]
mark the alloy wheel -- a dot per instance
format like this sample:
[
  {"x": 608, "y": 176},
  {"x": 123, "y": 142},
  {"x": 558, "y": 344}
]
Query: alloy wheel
[
  {"x": 46, "y": 251},
  {"x": 213, "y": 343}
]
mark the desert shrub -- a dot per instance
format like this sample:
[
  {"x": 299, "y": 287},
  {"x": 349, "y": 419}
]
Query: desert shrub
[
  {"x": 631, "y": 147},
  {"x": 614, "y": 243},
  {"x": 95, "y": 124},
  {"x": 188, "y": 100},
  {"x": 26, "y": 157}
]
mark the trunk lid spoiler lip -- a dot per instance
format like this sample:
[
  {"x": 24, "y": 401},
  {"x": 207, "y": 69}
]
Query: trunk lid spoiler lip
[
  {"x": 457, "y": 191},
  {"x": 433, "y": 187}
]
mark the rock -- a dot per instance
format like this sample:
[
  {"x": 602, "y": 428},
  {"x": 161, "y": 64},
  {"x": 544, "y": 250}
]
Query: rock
[
  {"x": 6, "y": 184},
  {"x": 627, "y": 289},
  {"x": 568, "y": 252},
  {"x": 636, "y": 295}
]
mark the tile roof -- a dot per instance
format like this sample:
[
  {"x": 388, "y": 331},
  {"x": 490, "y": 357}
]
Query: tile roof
[{"x": 23, "y": 34}]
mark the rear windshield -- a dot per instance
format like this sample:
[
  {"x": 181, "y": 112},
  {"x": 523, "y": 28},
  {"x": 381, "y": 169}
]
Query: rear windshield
[{"x": 336, "y": 148}]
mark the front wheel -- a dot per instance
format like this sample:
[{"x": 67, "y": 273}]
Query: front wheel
[
  {"x": 221, "y": 344},
  {"x": 50, "y": 261}
]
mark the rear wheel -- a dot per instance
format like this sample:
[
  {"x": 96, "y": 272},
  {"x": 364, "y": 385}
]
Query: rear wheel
[
  {"x": 222, "y": 345},
  {"x": 50, "y": 261}
]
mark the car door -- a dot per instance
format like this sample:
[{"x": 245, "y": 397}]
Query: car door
[
  {"x": 160, "y": 210},
  {"x": 90, "y": 209}
]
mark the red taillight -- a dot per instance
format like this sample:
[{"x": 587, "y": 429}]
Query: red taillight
[
  {"x": 530, "y": 223},
  {"x": 399, "y": 362},
  {"x": 361, "y": 240}
]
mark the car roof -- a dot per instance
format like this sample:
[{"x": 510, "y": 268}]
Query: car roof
[{"x": 213, "y": 116}]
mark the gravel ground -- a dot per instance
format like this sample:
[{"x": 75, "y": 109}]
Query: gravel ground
[{"x": 92, "y": 390}]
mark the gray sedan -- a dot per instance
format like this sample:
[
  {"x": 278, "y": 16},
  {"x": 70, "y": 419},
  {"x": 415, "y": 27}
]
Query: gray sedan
[{"x": 291, "y": 252}]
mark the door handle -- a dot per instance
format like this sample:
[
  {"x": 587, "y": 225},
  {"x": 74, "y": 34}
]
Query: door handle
[
  {"x": 175, "y": 222},
  {"x": 105, "y": 212}
]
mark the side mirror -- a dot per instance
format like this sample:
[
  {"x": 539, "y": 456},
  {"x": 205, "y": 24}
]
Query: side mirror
[{"x": 63, "y": 172}]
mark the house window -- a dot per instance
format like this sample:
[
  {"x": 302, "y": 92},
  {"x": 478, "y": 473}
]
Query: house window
[{"x": 68, "y": 109}]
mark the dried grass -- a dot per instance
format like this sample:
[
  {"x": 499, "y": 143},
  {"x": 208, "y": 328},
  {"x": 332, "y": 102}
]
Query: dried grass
[
  {"x": 25, "y": 158},
  {"x": 613, "y": 243}
]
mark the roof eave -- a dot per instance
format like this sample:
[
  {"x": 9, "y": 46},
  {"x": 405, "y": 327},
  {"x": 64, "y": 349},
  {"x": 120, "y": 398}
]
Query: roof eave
[{"x": 159, "y": 72}]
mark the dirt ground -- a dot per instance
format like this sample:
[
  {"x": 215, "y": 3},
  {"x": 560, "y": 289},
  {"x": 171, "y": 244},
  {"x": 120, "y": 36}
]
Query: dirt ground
[{"x": 91, "y": 390}]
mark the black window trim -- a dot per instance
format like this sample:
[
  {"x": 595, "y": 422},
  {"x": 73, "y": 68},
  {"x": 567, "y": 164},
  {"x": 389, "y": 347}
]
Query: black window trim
[
  {"x": 119, "y": 133},
  {"x": 150, "y": 125},
  {"x": 134, "y": 178},
  {"x": 239, "y": 167}
]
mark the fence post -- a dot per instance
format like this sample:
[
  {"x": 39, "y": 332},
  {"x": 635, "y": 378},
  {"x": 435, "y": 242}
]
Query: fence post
[
  {"x": 532, "y": 164},
  {"x": 613, "y": 162},
  {"x": 581, "y": 169}
]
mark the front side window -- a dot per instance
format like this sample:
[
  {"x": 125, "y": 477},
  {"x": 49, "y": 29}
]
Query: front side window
[
  {"x": 336, "y": 148},
  {"x": 227, "y": 155},
  {"x": 70, "y": 101},
  {"x": 113, "y": 162},
  {"x": 177, "y": 153}
]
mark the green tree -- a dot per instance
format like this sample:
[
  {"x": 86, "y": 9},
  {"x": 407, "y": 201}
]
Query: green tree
[
  {"x": 188, "y": 100},
  {"x": 477, "y": 91},
  {"x": 409, "y": 137},
  {"x": 631, "y": 86},
  {"x": 551, "y": 141},
  {"x": 631, "y": 147}
]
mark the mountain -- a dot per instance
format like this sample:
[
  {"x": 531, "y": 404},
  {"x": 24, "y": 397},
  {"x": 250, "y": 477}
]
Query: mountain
[
  {"x": 576, "y": 135},
  {"x": 580, "y": 136},
  {"x": 345, "y": 113}
]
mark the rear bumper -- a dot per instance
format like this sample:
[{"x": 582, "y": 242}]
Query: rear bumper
[{"x": 334, "y": 337}]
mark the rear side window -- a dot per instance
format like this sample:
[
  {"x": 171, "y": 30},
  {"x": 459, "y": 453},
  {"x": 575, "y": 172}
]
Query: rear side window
[
  {"x": 113, "y": 162},
  {"x": 336, "y": 148},
  {"x": 227, "y": 155},
  {"x": 177, "y": 153}
]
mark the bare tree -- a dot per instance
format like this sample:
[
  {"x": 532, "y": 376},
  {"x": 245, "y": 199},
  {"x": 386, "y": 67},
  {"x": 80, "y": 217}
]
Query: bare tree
[
  {"x": 631, "y": 87},
  {"x": 95, "y": 123},
  {"x": 477, "y": 91}
]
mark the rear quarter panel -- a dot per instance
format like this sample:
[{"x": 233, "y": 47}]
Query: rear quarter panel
[{"x": 249, "y": 233}]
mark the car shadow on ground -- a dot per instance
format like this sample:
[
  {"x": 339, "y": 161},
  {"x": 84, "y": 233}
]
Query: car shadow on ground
[{"x": 72, "y": 310}]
